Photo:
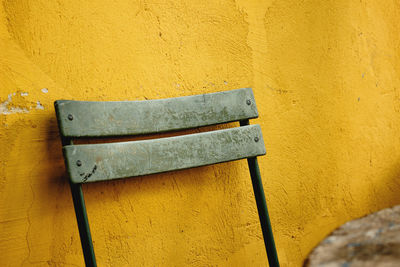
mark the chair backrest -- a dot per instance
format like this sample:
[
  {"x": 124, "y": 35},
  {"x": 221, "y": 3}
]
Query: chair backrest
[
  {"x": 96, "y": 162},
  {"x": 105, "y": 161}
]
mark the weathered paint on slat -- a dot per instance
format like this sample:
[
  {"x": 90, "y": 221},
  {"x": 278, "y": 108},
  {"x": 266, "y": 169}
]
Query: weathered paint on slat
[
  {"x": 96, "y": 162},
  {"x": 84, "y": 118}
]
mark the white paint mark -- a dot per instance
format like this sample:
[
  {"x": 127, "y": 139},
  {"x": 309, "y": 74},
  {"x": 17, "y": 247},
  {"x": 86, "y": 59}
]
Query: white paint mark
[
  {"x": 225, "y": 82},
  {"x": 45, "y": 90},
  {"x": 3, "y": 105},
  {"x": 24, "y": 94},
  {"x": 39, "y": 106},
  {"x": 5, "y": 110}
]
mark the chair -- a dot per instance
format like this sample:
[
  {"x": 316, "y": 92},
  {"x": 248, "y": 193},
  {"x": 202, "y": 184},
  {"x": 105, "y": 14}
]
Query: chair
[{"x": 97, "y": 162}]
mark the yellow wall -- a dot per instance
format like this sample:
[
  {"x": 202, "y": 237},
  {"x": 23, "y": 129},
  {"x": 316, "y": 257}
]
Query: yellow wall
[{"x": 326, "y": 76}]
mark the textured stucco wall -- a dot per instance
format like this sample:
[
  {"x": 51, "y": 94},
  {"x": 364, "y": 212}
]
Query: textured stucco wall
[{"x": 326, "y": 76}]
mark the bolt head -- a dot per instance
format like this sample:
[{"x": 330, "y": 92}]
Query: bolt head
[
  {"x": 70, "y": 117},
  {"x": 256, "y": 139},
  {"x": 248, "y": 102},
  {"x": 78, "y": 163}
]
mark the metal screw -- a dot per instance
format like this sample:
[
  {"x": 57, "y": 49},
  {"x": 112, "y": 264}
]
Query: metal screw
[
  {"x": 79, "y": 163},
  {"x": 70, "y": 117},
  {"x": 256, "y": 139},
  {"x": 248, "y": 102}
]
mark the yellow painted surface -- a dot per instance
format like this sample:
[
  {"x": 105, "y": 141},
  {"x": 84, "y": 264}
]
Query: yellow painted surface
[{"x": 326, "y": 76}]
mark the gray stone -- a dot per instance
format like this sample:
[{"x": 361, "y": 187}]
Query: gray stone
[{"x": 373, "y": 240}]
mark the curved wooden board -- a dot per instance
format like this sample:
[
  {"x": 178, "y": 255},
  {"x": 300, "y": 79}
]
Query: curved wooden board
[
  {"x": 92, "y": 119},
  {"x": 96, "y": 162}
]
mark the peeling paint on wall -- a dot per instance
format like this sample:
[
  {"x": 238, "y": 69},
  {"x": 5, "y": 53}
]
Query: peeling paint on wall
[
  {"x": 6, "y": 107},
  {"x": 19, "y": 102},
  {"x": 39, "y": 106}
]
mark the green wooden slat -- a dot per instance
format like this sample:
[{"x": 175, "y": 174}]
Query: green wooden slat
[
  {"x": 96, "y": 162},
  {"x": 83, "y": 118}
]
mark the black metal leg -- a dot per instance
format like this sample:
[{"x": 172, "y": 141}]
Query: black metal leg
[
  {"x": 262, "y": 208},
  {"x": 263, "y": 212},
  {"x": 83, "y": 225}
]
